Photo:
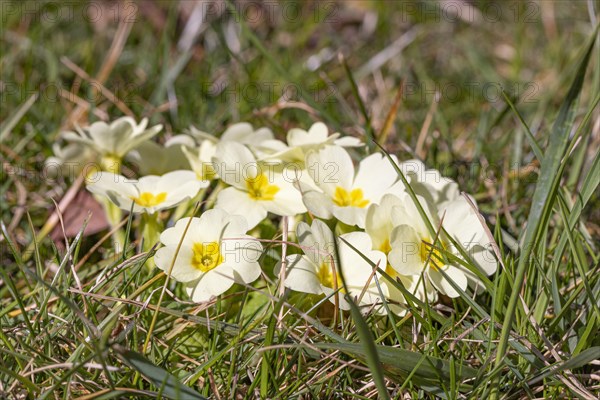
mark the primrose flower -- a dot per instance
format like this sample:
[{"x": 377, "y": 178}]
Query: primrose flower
[
  {"x": 318, "y": 271},
  {"x": 300, "y": 142},
  {"x": 70, "y": 159},
  {"x": 317, "y": 136},
  {"x": 154, "y": 159},
  {"x": 260, "y": 141},
  {"x": 215, "y": 252},
  {"x": 113, "y": 140},
  {"x": 415, "y": 249},
  {"x": 242, "y": 132},
  {"x": 381, "y": 220},
  {"x": 461, "y": 220},
  {"x": 200, "y": 159},
  {"x": 343, "y": 194},
  {"x": 150, "y": 193},
  {"x": 256, "y": 188},
  {"x": 429, "y": 183}
]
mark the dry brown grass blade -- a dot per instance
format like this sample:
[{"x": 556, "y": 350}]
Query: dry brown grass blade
[
  {"x": 116, "y": 48},
  {"x": 283, "y": 104},
  {"x": 98, "y": 86},
  {"x": 78, "y": 101},
  {"x": 420, "y": 149},
  {"x": 391, "y": 116},
  {"x": 100, "y": 242},
  {"x": 20, "y": 209}
]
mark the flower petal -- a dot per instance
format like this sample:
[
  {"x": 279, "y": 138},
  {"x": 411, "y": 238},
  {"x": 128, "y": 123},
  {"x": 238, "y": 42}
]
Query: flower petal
[
  {"x": 462, "y": 223},
  {"x": 319, "y": 204},
  {"x": 183, "y": 270},
  {"x": 349, "y": 141},
  {"x": 234, "y": 162},
  {"x": 405, "y": 255},
  {"x": 301, "y": 274},
  {"x": 330, "y": 167},
  {"x": 442, "y": 284},
  {"x": 351, "y": 215},
  {"x": 212, "y": 283},
  {"x": 375, "y": 176},
  {"x": 485, "y": 258},
  {"x": 238, "y": 202}
]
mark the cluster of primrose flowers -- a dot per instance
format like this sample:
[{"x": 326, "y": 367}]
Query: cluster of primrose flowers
[{"x": 363, "y": 234}]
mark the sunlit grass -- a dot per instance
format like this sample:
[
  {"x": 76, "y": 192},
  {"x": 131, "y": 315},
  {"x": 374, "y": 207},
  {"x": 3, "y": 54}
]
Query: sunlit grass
[{"x": 76, "y": 312}]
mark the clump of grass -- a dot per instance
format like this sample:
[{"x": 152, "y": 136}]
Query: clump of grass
[{"x": 75, "y": 315}]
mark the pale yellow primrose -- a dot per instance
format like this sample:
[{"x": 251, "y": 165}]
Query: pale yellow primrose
[
  {"x": 215, "y": 253},
  {"x": 429, "y": 183},
  {"x": 256, "y": 188},
  {"x": 318, "y": 272},
  {"x": 461, "y": 220},
  {"x": 381, "y": 220},
  {"x": 300, "y": 142},
  {"x": 148, "y": 194},
  {"x": 261, "y": 142},
  {"x": 415, "y": 250},
  {"x": 70, "y": 160},
  {"x": 341, "y": 192},
  {"x": 114, "y": 139}
]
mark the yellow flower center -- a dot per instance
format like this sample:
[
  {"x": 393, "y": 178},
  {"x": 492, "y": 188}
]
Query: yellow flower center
[
  {"x": 206, "y": 256},
  {"x": 325, "y": 274},
  {"x": 259, "y": 188},
  {"x": 385, "y": 247},
  {"x": 206, "y": 172},
  {"x": 436, "y": 260},
  {"x": 111, "y": 163},
  {"x": 147, "y": 199},
  {"x": 354, "y": 198},
  {"x": 391, "y": 271}
]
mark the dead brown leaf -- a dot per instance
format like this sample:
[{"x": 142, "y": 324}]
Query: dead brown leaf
[{"x": 75, "y": 214}]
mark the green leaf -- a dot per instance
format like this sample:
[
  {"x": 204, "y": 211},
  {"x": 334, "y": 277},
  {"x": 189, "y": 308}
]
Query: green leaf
[
  {"x": 583, "y": 358},
  {"x": 24, "y": 381},
  {"x": 399, "y": 363},
  {"x": 543, "y": 199},
  {"x": 369, "y": 349},
  {"x": 167, "y": 382}
]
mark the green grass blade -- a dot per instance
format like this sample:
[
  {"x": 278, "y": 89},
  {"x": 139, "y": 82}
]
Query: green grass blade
[
  {"x": 534, "y": 144},
  {"x": 588, "y": 188},
  {"x": 369, "y": 349},
  {"x": 542, "y": 201},
  {"x": 583, "y": 358},
  {"x": 170, "y": 385},
  {"x": 16, "y": 117},
  {"x": 399, "y": 363},
  {"x": 361, "y": 104}
]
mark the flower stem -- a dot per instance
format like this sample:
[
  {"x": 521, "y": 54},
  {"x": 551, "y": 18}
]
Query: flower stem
[
  {"x": 164, "y": 288},
  {"x": 111, "y": 163},
  {"x": 151, "y": 227}
]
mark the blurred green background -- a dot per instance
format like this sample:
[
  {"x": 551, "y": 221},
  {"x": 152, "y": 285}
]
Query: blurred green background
[{"x": 278, "y": 63}]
